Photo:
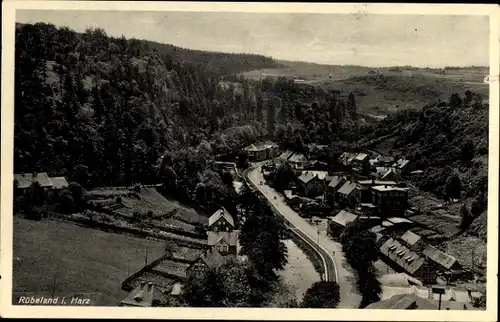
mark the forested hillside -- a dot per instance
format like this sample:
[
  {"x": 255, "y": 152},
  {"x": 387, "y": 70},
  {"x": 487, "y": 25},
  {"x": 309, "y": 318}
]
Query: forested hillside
[
  {"x": 103, "y": 110},
  {"x": 449, "y": 142}
]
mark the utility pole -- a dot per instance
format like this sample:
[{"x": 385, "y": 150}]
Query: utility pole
[{"x": 54, "y": 287}]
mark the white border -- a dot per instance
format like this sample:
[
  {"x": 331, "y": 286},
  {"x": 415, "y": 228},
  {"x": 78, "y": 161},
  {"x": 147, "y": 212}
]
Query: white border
[{"x": 8, "y": 23}]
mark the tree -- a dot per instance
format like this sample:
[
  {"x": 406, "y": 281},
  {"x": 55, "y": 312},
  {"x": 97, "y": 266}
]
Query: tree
[
  {"x": 467, "y": 151},
  {"x": 242, "y": 160},
  {"x": 352, "y": 106},
  {"x": 455, "y": 101},
  {"x": 362, "y": 251},
  {"x": 453, "y": 187},
  {"x": 466, "y": 217},
  {"x": 260, "y": 239},
  {"x": 321, "y": 295},
  {"x": 206, "y": 291},
  {"x": 369, "y": 286}
]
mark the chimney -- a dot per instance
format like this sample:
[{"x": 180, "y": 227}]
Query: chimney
[
  {"x": 143, "y": 283},
  {"x": 150, "y": 286}
]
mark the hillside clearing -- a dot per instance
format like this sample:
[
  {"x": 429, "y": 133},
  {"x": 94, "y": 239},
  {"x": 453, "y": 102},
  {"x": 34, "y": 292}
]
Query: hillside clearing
[{"x": 48, "y": 250}]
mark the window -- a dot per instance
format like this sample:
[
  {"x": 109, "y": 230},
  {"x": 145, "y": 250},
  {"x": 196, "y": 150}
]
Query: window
[
  {"x": 224, "y": 248},
  {"x": 217, "y": 247}
]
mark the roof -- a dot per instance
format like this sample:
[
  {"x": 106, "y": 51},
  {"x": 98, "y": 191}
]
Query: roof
[
  {"x": 171, "y": 267},
  {"x": 336, "y": 180},
  {"x": 389, "y": 188},
  {"x": 297, "y": 157},
  {"x": 410, "y": 238},
  {"x": 361, "y": 157},
  {"x": 187, "y": 254},
  {"x": 347, "y": 188},
  {"x": 377, "y": 182},
  {"x": 403, "y": 302},
  {"x": 399, "y": 220},
  {"x": 231, "y": 238},
  {"x": 213, "y": 259},
  {"x": 176, "y": 289},
  {"x": 439, "y": 257},
  {"x": 261, "y": 146},
  {"x": 222, "y": 212},
  {"x": 377, "y": 229},
  {"x": 388, "y": 173},
  {"x": 401, "y": 163},
  {"x": 142, "y": 296},
  {"x": 59, "y": 183},
  {"x": 25, "y": 180},
  {"x": 398, "y": 279},
  {"x": 308, "y": 175},
  {"x": 344, "y": 218},
  {"x": 285, "y": 155},
  {"x": 402, "y": 256},
  {"x": 386, "y": 159}
]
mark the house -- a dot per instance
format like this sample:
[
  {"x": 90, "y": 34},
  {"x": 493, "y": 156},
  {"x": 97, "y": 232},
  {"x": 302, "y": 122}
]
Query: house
[
  {"x": 284, "y": 156},
  {"x": 224, "y": 242},
  {"x": 141, "y": 296},
  {"x": 211, "y": 259},
  {"x": 403, "y": 302},
  {"x": 221, "y": 220},
  {"x": 402, "y": 259},
  {"x": 390, "y": 199},
  {"x": 390, "y": 175},
  {"x": 361, "y": 160},
  {"x": 363, "y": 189},
  {"x": 24, "y": 181},
  {"x": 298, "y": 161},
  {"x": 413, "y": 241},
  {"x": 338, "y": 223},
  {"x": 443, "y": 262},
  {"x": 346, "y": 158},
  {"x": 312, "y": 183},
  {"x": 59, "y": 183},
  {"x": 403, "y": 166},
  {"x": 384, "y": 161},
  {"x": 346, "y": 195},
  {"x": 333, "y": 186},
  {"x": 261, "y": 151}
]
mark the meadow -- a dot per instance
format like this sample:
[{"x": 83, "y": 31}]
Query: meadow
[{"x": 64, "y": 259}]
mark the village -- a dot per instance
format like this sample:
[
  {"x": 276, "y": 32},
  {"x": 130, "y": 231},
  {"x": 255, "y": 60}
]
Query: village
[{"x": 373, "y": 191}]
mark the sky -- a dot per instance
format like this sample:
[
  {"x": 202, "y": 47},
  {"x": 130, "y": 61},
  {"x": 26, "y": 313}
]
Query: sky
[{"x": 337, "y": 39}]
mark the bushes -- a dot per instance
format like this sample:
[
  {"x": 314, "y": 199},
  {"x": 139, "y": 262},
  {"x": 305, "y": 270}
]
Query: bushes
[
  {"x": 361, "y": 252},
  {"x": 321, "y": 295}
]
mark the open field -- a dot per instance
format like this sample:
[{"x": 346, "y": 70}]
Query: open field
[
  {"x": 48, "y": 250},
  {"x": 380, "y": 91}
]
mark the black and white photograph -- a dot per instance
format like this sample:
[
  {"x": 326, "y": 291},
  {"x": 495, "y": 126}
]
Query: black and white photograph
[{"x": 238, "y": 158}]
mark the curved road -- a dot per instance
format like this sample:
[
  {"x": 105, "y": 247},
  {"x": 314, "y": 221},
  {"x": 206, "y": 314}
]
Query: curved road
[{"x": 331, "y": 251}]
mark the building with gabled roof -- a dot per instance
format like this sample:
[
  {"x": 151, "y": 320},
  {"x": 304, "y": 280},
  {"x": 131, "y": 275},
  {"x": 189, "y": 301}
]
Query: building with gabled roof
[
  {"x": 298, "y": 161},
  {"x": 262, "y": 151},
  {"x": 224, "y": 242},
  {"x": 346, "y": 195},
  {"x": 338, "y": 223},
  {"x": 333, "y": 186},
  {"x": 402, "y": 259},
  {"x": 403, "y": 302},
  {"x": 59, "y": 183},
  {"x": 443, "y": 261},
  {"x": 142, "y": 296},
  {"x": 403, "y": 166},
  {"x": 221, "y": 220},
  {"x": 413, "y": 241},
  {"x": 210, "y": 259},
  {"x": 24, "y": 181},
  {"x": 312, "y": 183}
]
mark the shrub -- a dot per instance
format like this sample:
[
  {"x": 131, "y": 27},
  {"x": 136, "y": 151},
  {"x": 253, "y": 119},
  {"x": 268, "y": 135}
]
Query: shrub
[{"x": 321, "y": 295}]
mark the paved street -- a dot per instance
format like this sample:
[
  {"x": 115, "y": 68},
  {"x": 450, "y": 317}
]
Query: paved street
[{"x": 345, "y": 278}]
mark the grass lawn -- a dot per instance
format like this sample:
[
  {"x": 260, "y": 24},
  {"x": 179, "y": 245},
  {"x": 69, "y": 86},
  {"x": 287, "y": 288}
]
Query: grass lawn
[{"x": 82, "y": 260}]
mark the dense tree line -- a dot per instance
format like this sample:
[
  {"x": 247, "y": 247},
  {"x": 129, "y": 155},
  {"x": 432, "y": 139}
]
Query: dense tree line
[{"x": 103, "y": 110}]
